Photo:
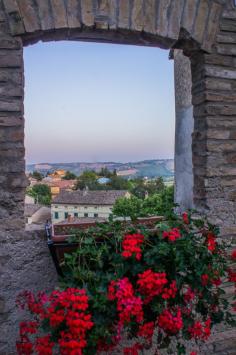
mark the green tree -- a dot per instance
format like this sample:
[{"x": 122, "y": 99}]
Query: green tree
[
  {"x": 37, "y": 175},
  {"x": 69, "y": 176},
  {"x": 41, "y": 193},
  {"x": 127, "y": 207},
  {"x": 88, "y": 179}
]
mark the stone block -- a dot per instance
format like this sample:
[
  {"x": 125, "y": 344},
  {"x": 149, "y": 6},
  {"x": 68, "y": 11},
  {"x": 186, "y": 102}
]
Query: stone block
[
  {"x": 228, "y": 25},
  {"x": 87, "y": 13},
  {"x": 11, "y": 58},
  {"x": 14, "y": 17},
  {"x": 46, "y": 20},
  {"x": 226, "y": 49},
  {"x": 29, "y": 15},
  {"x": 162, "y": 17},
  {"x": 201, "y": 21},
  {"x": 175, "y": 18},
  {"x": 13, "y": 104},
  {"x": 11, "y": 75},
  {"x": 150, "y": 16},
  {"x": 229, "y": 14},
  {"x": 218, "y": 59},
  {"x": 124, "y": 14},
  {"x": 226, "y": 37},
  {"x": 59, "y": 13},
  {"x": 10, "y": 121},
  {"x": 137, "y": 16},
  {"x": 73, "y": 13},
  {"x": 219, "y": 72},
  {"x": 212, "y": 26},
  {"x": 212, "y": 83},
  {"x": 8, "y": 42},
  {"x": 113, "y": 14},
  {"x": 189, "y": 15}
]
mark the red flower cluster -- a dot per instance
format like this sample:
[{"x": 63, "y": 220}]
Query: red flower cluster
[
  {"x": 172, "y": 235},
  {"x": 211, "y": 242},
  {"x": 189, "y": 295},
  {"x": 171, "y": 322},
  {"x": 185, "y": 218},
  {"x": 231, "y": 275},
  {"x": 233, "y": 255},
  {"x": 62, "y": 307},
  {"x": 200, "y": 331},
  {"x": 170, "y": 292},
  {"x": 146, "y": 330},
  {"x": 128, "y": 305},
  {"x": 204, "y": 279},
  {"x": 131, "y": 245},
  {"x": 151, "y": 284}
]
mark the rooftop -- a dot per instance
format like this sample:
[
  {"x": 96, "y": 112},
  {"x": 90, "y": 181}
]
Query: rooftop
[{"x": 89, "y": 197}]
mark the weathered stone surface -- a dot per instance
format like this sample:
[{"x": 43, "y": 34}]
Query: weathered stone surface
[
  {"x": 219, "y": 72},
  {"x": 73, "y": 13},
  {"x": 124, "y": 14},
  {"x": 175, "y": 18},
  {"x": 46, "y": 20},
  {"x": 227, "y": 49},
  {"x": 59, "y": 13},
  {"x": 200, "y": 22},
  {"x": 212, "y": 26},
  {"x": 137, "y": 15},
  {"x": 113, "y": 14},
  {"x": 10, "y": 58},
  {"x": 150, "y": 11},
  {"x": 15, "y": 20},
  {"x": 162, "y": 18},
  {"x": 87, "y": 13},
  {"x": 189, "y": 15},
  {"x": 29, "y": 14}
]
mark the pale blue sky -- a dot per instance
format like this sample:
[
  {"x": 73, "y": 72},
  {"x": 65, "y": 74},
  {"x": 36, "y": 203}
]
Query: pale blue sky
[{"x": 97, "y": 102}]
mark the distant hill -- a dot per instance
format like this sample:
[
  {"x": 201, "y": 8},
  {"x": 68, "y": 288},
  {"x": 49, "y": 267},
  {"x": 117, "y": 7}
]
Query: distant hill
[{"x": 146, "y": 168}]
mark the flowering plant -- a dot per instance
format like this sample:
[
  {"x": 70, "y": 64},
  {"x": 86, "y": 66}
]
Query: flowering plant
[{"x": 164, "y": 283}]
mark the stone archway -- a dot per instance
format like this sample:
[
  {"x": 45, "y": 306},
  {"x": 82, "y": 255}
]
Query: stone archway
[{"x": 204, "y": 29}]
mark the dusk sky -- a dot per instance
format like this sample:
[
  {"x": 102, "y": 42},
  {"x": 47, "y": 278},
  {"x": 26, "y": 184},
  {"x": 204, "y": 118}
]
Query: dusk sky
[{"x": 98, "y": 102}]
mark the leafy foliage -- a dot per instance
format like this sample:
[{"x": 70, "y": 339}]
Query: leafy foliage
[
  {"x": 156, "y": 204},
  {"x": 69, "y": 176},
  {"x": 138, "y": 279},
  {"x": 41, "y": 193}
]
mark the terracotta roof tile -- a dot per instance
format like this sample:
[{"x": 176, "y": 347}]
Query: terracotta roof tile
[{"x": 89, "y": 197}]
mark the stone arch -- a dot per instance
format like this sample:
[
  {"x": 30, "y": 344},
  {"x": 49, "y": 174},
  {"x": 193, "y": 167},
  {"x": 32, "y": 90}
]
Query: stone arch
[{"x": 204, "y": 29}]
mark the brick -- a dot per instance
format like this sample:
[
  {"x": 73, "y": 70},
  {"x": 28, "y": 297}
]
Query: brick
[
  {"x": 73, "y": 13},
  {"x": 11, "y": 75},
  {"x": 124, "y": 12},
  {"x": 228, "y": 25},
  {"x": 87, "y": 13},
  {"x": 15, "y": 20},
  {"x": 9, "y": 121},
  {"x": 11, "y": 105},
  {"x": 29, "y": 15},
  {"x": 229, "y": 14},
  {"x": 11, "y": 58},
  {"x": 46, "y": 20},
  {"x": 201, "y": 21},
  {"x": 113, "y": 18},
  {"x": 175, "y": 18},
  {"x": 212, "y": 26},
  {"x": 8, "y": 42},
  {"x": 162, "y": 18},
  {"x": 189, "y": 14},
  {"x": 226, "y": 37},
  {"x": 226, "y": 49},
  {"x": 137, "y": 16},
  {"x": 150, "y": 16},
  {"x": 219, "y": 72},
  {"x": 59, "y": 13}
]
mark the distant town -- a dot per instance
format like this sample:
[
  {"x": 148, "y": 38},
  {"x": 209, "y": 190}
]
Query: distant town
[{"x": 78, "y": 194}]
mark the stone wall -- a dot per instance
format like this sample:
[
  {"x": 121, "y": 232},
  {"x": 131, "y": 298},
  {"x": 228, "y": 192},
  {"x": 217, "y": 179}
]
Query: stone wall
[
  {"x": 183, "y": 132},
  {"x": 206, "y": 32},
  {"x": 25, "y": 264}
]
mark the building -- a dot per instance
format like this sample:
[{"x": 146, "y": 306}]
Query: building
[
  {"x": 56, "y": 186},
  {"x": 84, "y": 204},
  {"x": 60, "y": 173},
  {"x": 36, "y": 214}
]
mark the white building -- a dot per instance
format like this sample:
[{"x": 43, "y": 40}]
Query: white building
[{"x": 93, "y": 204}]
